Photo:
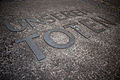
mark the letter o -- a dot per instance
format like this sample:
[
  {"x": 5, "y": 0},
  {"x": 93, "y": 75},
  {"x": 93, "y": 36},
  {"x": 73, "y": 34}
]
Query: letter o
[{"x": 50, "y": 42}]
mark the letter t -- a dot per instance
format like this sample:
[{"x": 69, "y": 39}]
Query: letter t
[{"x": 33, "y": 46}]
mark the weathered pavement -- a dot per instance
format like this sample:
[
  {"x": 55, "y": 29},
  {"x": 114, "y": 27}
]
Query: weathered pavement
[{"x": 96, "y": 58}]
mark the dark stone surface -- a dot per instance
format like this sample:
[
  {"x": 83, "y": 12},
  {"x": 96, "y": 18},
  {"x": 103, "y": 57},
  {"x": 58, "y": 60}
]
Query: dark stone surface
[
  {"x": 114, "y": 2},
  {"x": 96, "y": 58},
  {"x": 10, "y": 0}
]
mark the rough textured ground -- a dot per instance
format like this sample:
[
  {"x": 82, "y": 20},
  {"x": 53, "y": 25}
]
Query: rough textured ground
[{"x": 96, "y": 58}]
